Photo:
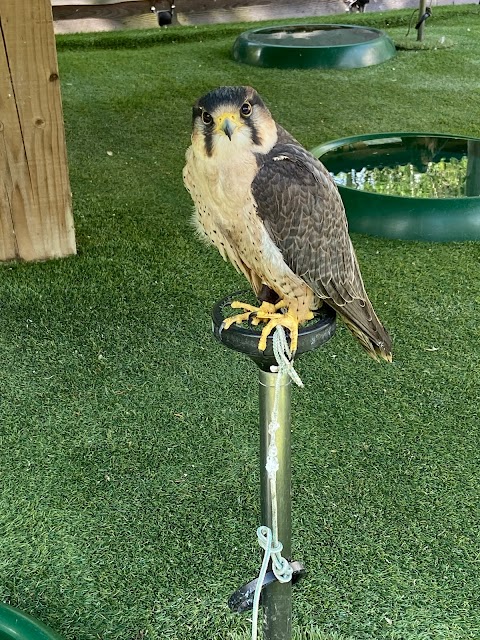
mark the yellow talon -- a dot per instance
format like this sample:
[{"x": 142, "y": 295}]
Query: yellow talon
[
  {"x": 286, "y": 320},
  {"x": 236, "y": 304},
  {"x": 271, "y": 314},
  {"x": 240, "y": 317},
  {"x": 265, "y": 308},
  {"x": 267, "y": 311}
]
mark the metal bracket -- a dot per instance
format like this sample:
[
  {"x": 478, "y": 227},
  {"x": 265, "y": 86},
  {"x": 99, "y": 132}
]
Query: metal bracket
[{"x": 242, "y": 599}]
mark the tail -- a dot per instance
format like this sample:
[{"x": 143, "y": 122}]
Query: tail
[
  {"x": 363, "y": 322},
  {"x": 360, "y": 317}
]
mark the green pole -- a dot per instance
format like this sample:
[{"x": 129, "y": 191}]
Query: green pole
[{"x": 277, "y": 597}]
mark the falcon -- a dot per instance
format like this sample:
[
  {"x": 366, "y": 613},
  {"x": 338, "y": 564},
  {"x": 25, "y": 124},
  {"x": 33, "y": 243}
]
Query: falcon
[{"x": 273, "y": 210}]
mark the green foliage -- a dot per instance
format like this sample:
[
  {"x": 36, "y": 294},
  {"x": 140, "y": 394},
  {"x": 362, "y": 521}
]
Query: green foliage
[
  {"x": 441, "y": 179},
  {"x": 129, "y": 470}
]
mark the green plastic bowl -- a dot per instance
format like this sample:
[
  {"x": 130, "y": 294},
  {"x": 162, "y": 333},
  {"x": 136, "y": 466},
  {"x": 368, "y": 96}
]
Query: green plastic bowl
[
  {"x": 405, "y": 217},
  {"x": 313, "y": 46},
  {"x": 16, "y": 625}
]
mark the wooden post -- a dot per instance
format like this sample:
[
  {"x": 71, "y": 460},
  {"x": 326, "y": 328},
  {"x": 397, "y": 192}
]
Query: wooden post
[{"x": 36, "y": 219}]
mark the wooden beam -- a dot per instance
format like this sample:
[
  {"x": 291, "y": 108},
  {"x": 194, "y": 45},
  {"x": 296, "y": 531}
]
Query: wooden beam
[
  {"x": 106, "y": 15},
  {"x": 36, "y": 219},
  {"x": 72, "y": 3},
  {"x": 86, "y": 16}
]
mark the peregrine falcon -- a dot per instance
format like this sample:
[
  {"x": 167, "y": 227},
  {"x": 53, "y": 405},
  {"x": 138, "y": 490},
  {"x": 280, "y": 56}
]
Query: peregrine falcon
[{"x": 273, "y": 211}]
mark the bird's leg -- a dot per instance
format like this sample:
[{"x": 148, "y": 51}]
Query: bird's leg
[{"x": 268, "y": 295}]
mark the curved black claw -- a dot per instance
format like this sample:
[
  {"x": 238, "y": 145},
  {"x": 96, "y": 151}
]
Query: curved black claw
[{"x": 251, "y": 317}]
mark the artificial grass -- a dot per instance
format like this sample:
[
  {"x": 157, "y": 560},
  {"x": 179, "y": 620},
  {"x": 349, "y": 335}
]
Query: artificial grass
[{"x": 129, "y": 492}]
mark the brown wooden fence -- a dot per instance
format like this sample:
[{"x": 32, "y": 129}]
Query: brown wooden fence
[{"x": 101, "y": 15}]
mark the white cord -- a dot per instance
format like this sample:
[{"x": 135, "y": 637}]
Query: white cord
[{"x": 283, "y": 356}]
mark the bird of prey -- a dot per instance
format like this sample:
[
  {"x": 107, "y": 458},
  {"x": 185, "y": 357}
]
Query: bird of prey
[{"x": 273, "y": 210}]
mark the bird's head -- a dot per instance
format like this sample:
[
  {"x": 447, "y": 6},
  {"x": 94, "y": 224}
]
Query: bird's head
[{"x": 228, "y": 120}]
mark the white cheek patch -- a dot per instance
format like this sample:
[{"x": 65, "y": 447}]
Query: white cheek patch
[{"x": 241, "y": 141}]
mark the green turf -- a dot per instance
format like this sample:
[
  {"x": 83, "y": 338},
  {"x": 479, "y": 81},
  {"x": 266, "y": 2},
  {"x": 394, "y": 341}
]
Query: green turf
[{"x": 129, "y": 473}]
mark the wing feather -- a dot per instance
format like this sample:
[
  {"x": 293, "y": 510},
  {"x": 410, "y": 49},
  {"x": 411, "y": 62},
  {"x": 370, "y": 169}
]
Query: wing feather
[{"x": 303, "y": 213}]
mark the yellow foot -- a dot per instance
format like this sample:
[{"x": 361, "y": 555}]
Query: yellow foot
[
  {"x": 249, "y": 310},
  {"x": 273, "y": 316}
]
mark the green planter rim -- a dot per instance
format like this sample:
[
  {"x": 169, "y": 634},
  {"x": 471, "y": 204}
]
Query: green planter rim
[
  {"x": 378, "y": 33},
  {"x": 249, "y": 48},
  {"x": 17, "y": 625}
]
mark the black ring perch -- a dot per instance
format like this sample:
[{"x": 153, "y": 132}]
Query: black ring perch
[
  {"x": 244, "y": 340},
  {"x": 242, "y": 599}
]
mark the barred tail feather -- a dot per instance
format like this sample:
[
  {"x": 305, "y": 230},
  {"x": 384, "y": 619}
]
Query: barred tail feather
[
  {"x": 361, "y": 319},
  {"x": 377, "y": 346}
]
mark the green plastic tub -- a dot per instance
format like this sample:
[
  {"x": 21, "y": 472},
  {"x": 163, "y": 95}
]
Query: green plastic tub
[
  {"x": 313, "y": 46},
  {"x": 442, "y": 162},
  {"x": 16, "y": 625}
]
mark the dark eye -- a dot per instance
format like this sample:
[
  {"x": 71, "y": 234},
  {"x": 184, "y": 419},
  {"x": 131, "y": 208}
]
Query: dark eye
[
  {"x": 206, "y": 117},
  {"x": 246, "y": 109}
]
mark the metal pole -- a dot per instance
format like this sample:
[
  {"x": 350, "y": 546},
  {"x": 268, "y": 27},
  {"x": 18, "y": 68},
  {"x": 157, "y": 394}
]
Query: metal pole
[
  {"x": 277, "y": 597},
  {"x": 421, "y": 11}
]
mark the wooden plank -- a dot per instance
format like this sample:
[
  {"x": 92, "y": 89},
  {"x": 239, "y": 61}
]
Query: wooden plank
[
  {"x": 262, "y": 11},
  {"x": 252, "y": 11},
  {"x": 8, "y": 125},
  {"x": 193, "y": 6},
  {"x": 73, "y": 3},
  {"x": 107, "y": 15},
  {"x": 184, "y": 5},
  {"x": 35, "y": 196},
  {"x": 137, "y": 14}
]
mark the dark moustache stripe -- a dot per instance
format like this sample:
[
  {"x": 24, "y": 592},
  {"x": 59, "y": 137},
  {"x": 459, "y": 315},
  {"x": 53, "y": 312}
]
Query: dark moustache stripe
[
  {"x": 208, "y": 137},
  {"x": 256, "y": 137}
]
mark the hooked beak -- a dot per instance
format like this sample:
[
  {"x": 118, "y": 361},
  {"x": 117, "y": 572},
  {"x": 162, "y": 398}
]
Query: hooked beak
[
  {"x": 227, "y": 123},
  {"x": 228, "y": 127}
]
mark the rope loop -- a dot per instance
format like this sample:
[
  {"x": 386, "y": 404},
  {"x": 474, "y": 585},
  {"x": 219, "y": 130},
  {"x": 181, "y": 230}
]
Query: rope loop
[
  {"x": 281, "y": 568},
  {"x": 280, "y": 565}
]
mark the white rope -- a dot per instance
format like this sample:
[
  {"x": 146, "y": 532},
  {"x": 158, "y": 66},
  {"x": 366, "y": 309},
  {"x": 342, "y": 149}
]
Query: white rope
[
  {"x": 283, "y": 357},
  {"x": 261, "y": 578},
  {"x": 268, "y": 538}
]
